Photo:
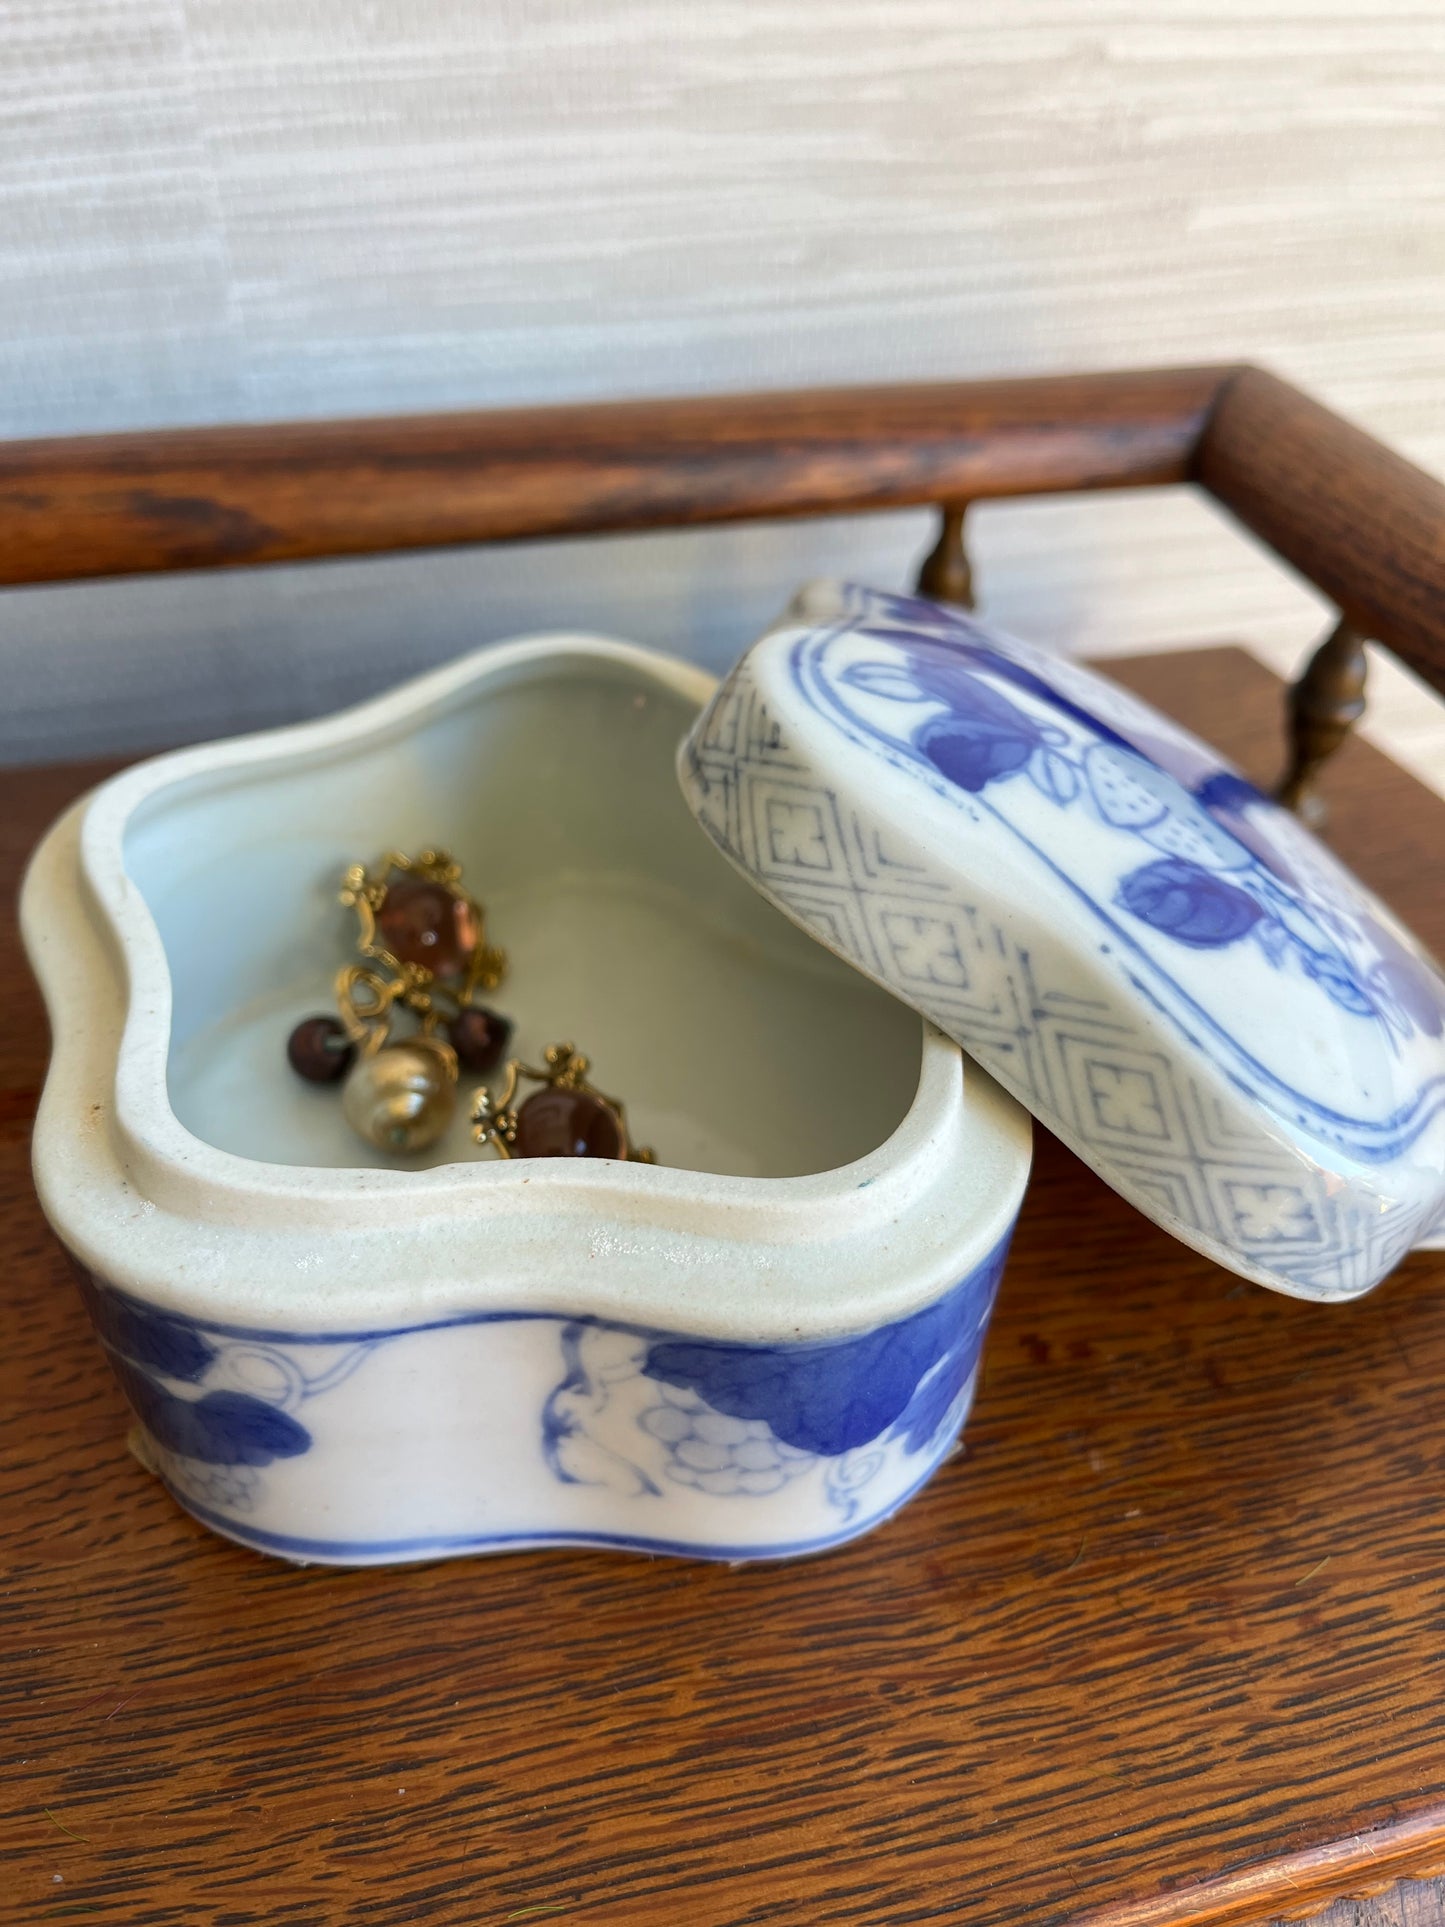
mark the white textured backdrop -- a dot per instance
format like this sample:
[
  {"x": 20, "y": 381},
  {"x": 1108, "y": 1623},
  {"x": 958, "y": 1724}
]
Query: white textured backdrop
[{"x": 214, "y": 210}]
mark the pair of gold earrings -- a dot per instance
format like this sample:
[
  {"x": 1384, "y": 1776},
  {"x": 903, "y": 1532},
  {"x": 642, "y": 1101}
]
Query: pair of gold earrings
[{"x": 423, "y": 956}]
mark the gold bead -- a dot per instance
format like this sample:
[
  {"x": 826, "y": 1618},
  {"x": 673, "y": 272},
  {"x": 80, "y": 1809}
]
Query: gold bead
[{"x": 400, "y": 1099}]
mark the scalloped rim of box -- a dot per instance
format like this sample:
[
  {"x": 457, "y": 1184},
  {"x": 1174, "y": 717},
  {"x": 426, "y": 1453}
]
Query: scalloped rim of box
[{"x": 157, "y": 1210}]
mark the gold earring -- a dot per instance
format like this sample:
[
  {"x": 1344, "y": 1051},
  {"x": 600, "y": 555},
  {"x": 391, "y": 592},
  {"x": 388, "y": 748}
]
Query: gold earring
[
  {"x": 566, "y": 1117},
  {"x": 421, "y": 939}
]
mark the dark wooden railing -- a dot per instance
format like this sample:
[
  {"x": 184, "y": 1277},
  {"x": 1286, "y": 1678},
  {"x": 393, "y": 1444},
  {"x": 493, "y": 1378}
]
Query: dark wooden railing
[{"x": 1365, "y": 526}]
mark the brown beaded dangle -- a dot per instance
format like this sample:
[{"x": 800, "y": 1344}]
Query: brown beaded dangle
[
  {"x": 566, "y": 1118},
  {"x": 420, "y": 936}
]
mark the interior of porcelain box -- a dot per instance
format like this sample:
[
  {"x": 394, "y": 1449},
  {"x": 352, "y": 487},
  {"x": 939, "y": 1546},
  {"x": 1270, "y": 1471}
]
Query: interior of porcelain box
[{"x": 737, "y": 1043}]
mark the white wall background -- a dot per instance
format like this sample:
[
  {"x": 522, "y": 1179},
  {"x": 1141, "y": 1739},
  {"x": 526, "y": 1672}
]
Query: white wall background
[{"x": 248, "y": 209}]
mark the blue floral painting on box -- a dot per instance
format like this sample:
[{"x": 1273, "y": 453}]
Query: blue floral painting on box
[
  {"x": 217, "y": 1408},
  {"x": 638, "y": 1411},
  {"x": 223, "y": 1427},
  {"x": 1223, "y": 875},
  {"x": 696, "y": 1435}
]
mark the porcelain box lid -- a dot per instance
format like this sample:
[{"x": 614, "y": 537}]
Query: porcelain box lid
[{"x": 1161, "y": 963}]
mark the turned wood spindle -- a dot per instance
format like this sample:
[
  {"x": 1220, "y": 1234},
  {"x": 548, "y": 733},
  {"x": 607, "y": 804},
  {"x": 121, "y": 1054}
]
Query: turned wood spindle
[
  {"x": 945, "y": 573},
  {"x": 1324, "y": 706}
]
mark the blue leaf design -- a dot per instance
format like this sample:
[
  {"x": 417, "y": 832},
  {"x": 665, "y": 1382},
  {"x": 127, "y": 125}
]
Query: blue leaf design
[
  {"x": 1189, "y": 903},
  {"x": 941, "y": 665},
  {"x": 830, "y": 1398},
  {"x": 984, "y": 739},
  {"x": 1055, "y": 775},
  {"x": 933, "y": 1401},
  {"x": 158, "y": 1340},
  {"x": 220, "y": 1428},
  {"x": 884, "y": 679}
]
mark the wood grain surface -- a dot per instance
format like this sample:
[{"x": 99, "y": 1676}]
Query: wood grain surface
[
  {"x": 1362, "y": 524},
  {"x": 239, "y": 495},
  {"x": 1163, "y": 1645},
  {"x": 1366, "y": 526}
]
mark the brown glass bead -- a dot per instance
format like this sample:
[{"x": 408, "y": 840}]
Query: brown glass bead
[
  {"x": 423, "y": 923},
  {"x": 479, "y": 1038},
  {"x": 319, "y": 1050},
  {"x": 568, "y": 1124}
]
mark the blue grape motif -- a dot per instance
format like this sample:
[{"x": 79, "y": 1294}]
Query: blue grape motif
[
  {"x": 231, "y": 1487},
  {"x": 715, "y": 1453},
  {"x": 743, "y": 1420},
  {"x": 826, "y": 1399}
]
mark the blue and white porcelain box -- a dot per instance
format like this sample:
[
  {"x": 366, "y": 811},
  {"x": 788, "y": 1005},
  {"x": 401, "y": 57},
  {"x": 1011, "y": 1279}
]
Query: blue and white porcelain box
[
  {"x": 759, "y": 1347},
  {"x": 961, "y": 874}
]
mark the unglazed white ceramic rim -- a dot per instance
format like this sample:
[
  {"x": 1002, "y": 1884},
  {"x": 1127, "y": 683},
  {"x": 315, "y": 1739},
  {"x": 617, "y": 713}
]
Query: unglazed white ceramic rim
[{"x": 154, "y": 1209}]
